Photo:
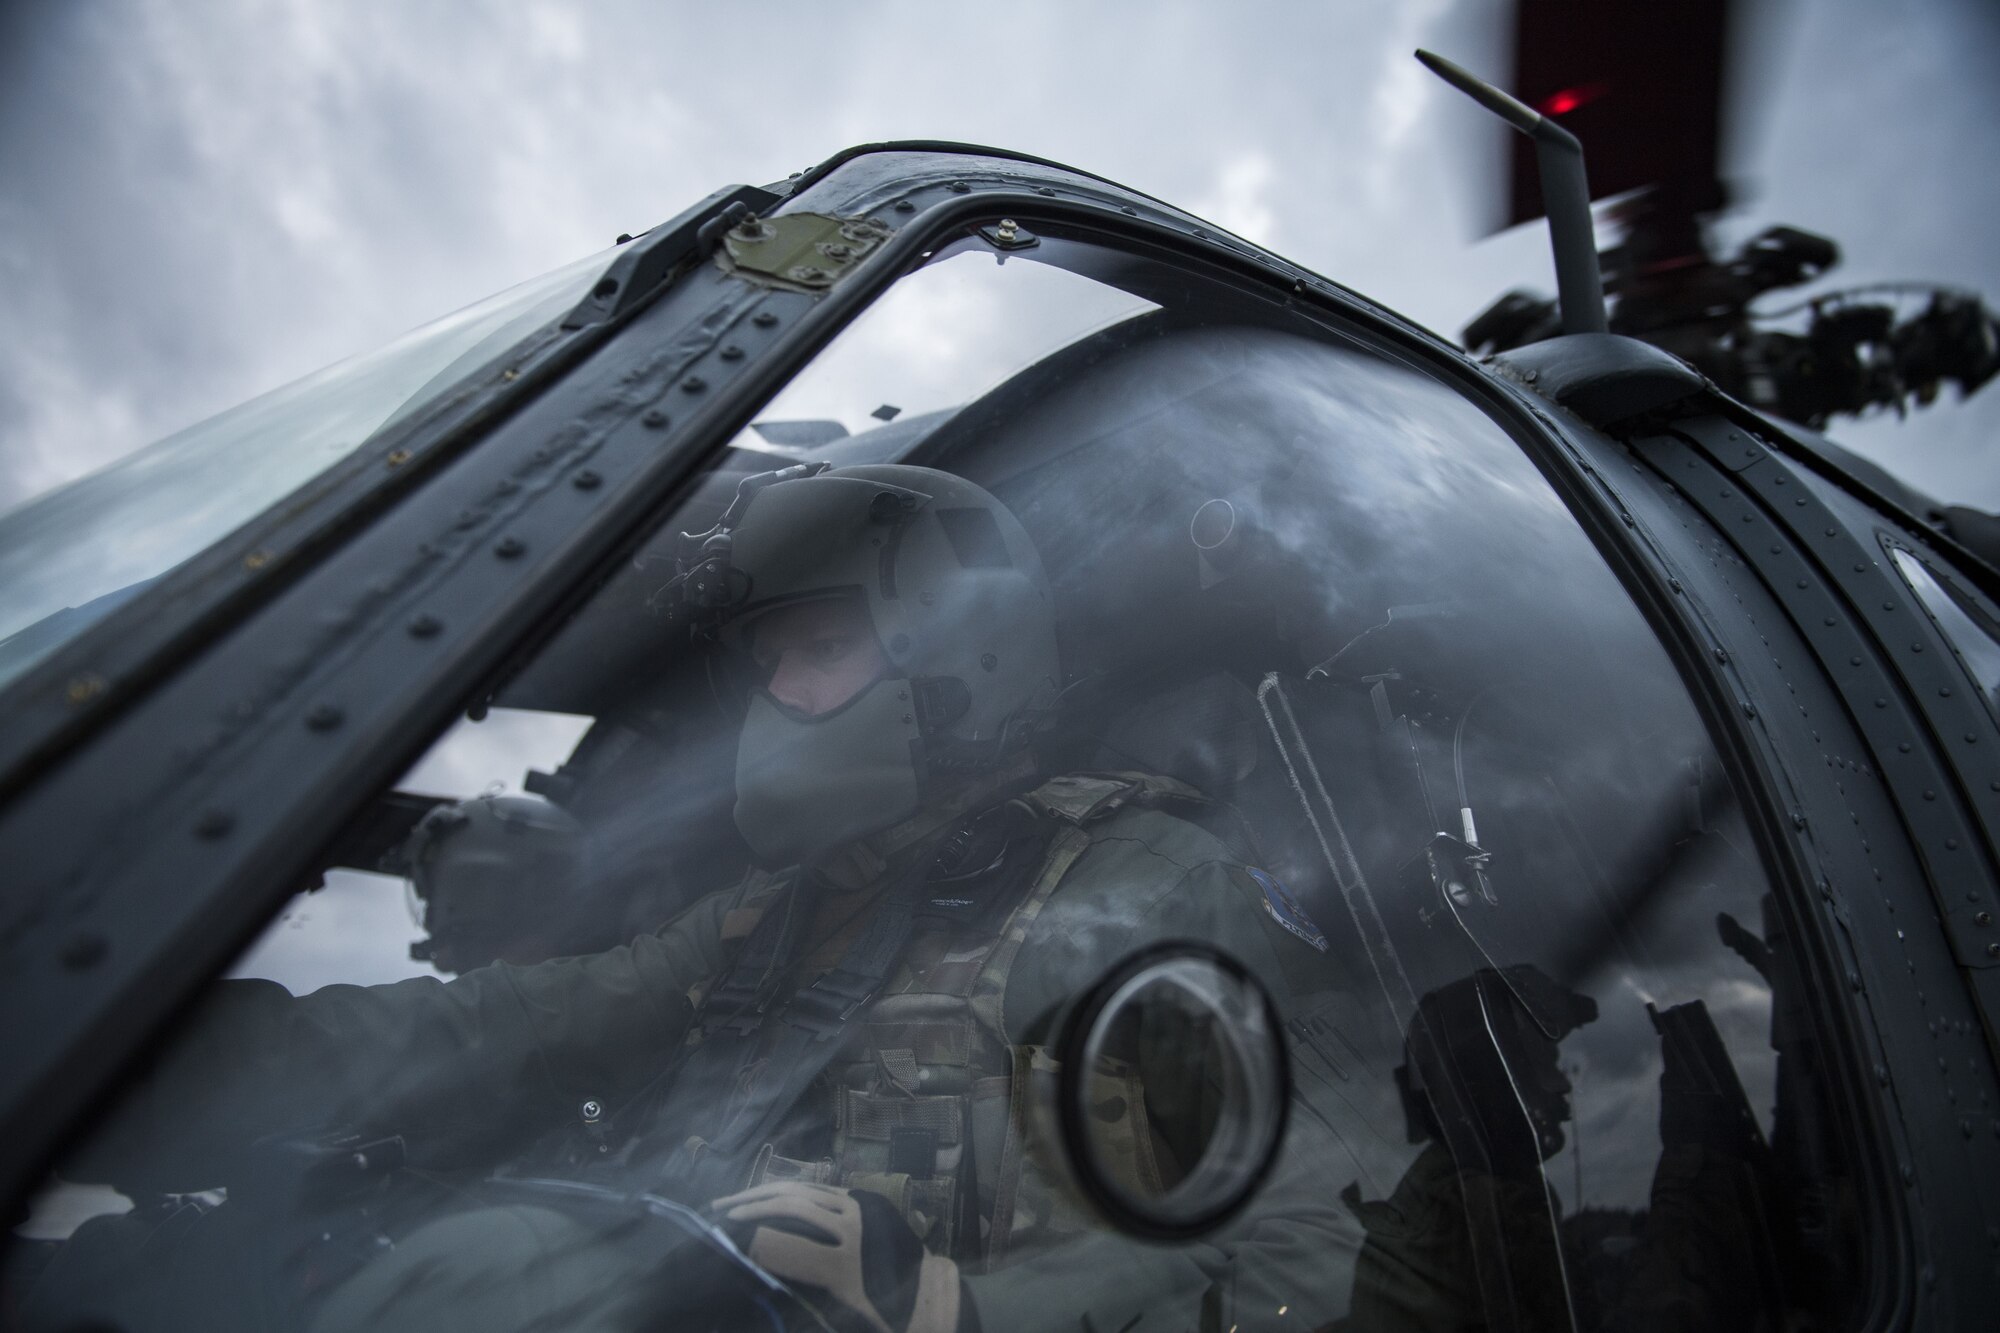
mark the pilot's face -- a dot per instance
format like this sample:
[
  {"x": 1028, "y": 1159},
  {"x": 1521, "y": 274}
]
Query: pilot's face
[{"x": 815, "y": 656}]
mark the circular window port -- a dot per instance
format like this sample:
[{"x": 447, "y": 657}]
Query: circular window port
[{"x": 1174, "y": 1090}]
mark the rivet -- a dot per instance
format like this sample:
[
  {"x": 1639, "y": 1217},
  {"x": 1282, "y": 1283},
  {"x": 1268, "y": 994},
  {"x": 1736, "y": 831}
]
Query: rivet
[
  {"x": 1982, "y": 918},
  {"x": 959, "y": 187},
  {"x": 1675, "y": 584},
  {"x": 1749, "y": 710},
  {"x": 1888, "y": 606},
  {"x": 695, "y": 383},
  {"x": 1854, "y": 660},
  {"x": 1882, "y": 1075},
  {"x": 731, "y": 353},
  {"x": 85, "y": 950},
  {"x": 324, "y": 717},
  {"x": 1798, "y": 820},
  {"x": 591, "y": 1111},
  {"x": 1903, "y": 746},
  {"x": 988, "y": 661},
  {"x": 84, "y": 688},
  {"x": 1800, "y": 502},
  {"x": 256, "y": 560},
  {"x": 905, "y": 206},
  {"x": 906, "y": 717},
  {"x": 507, "y": 548},
  {"x": 586, "y": 480},
  {"x": 510, "y": 375},
  {"x": 654, "y": 419},
  {"x": 1909, "y": 1174},
  {"x": 1944, "y": 691},
  {"x": 1951, "y": 844},
  {"x": 1930, "y": 794},
  {"x": 1045, "y": 191},
  {"x": 211, "y": 824},
  {"x": 1993, "y": 950},
  {"x": 624, "y": 237},
  {"x": 1854, "y": 981},
  {"x": 1880, "y": 702},
  {"x": 1916, "y": 647},
  {"x": 1972, "y": 738},
  {"x": 763, "y": 319},
  {"x": 423, "y": 625},
  {"x": 1802, "y": 583},
  {"x": 1830, "y": 621},
  {"x": 1721, "y": 655},
  {"x": 1128, "y": 210},
  {"x": 397, "y": 457}
]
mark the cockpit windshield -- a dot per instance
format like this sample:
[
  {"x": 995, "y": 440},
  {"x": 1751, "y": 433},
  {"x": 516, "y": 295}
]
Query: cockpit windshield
[
  {"x": 1218, "y": 848},
  {"x": 72, "y": 555}
]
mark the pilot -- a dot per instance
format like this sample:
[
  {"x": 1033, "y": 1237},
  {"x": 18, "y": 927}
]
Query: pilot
[{"x": 843, "y": 1057}]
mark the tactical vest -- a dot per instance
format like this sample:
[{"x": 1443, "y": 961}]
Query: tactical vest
[{"x": 932, "y": 1107}]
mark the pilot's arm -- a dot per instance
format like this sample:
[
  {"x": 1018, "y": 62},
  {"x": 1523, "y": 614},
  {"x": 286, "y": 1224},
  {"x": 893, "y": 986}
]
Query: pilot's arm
[{"x": 461, "y": 1069}]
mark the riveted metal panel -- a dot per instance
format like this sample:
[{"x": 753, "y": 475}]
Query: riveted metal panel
[
  {"x": 1933, "y": 739},
  {"x": 1846, "y": 770}
]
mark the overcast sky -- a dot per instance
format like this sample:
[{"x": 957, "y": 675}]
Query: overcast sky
[{"x": 200, "y": 202}]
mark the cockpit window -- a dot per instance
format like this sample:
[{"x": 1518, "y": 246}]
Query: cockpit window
[
  {"x": 1972, "y": 630},
  {"x": 1222, "y": 669},
  {"x": 70, "y": 556}
]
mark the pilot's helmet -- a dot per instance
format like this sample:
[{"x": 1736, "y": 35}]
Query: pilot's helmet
[
  {"x": 951, "y": 589},
  {"x": 499, "y": 878}
]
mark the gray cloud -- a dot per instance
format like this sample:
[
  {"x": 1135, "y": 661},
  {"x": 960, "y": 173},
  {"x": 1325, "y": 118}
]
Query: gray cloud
[{"x": 204, "y": 202}]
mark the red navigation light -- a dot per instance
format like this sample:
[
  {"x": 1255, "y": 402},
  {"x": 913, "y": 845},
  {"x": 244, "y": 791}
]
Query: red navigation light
[{"x": 1569, "y": 99}]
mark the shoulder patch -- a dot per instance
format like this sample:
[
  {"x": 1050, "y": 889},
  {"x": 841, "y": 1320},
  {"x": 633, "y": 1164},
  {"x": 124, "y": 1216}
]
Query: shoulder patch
[{"x": 1285, "y": 909}]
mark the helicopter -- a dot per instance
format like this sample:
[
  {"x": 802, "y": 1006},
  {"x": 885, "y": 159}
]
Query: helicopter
[{"x": 1618, "y": 759}]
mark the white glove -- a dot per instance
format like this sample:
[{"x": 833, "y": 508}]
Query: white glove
[{"x": 830, "y": 1257}]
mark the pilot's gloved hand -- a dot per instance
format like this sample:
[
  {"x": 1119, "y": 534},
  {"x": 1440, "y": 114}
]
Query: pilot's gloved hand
[{"x": 855, "y": 1247}]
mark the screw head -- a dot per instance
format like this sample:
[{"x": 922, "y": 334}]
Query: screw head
[
  {"x": 654, "y": 419},
  {"x": 693, "y": 384},
  {"x": 1982, "y": 918},
  {"x": 905, "y": 206},
  {"x": 731, "y": 353},
  {"x": 763, "y": 319},
  {"x": 586, "y": 480},
  {"x": 397, "y": 457},
  {"x": 591, "y": 1111},
  {"x": 423, "y": 625},
  {"x": 509, "y": 548}
]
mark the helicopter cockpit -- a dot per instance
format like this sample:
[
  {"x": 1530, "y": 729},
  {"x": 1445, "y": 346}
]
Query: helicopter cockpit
[{"x": 1497, "y": 1023}]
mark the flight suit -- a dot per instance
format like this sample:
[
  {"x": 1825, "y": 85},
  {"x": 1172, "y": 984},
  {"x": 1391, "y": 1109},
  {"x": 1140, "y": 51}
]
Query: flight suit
[{"x": 941, "y": 1088}]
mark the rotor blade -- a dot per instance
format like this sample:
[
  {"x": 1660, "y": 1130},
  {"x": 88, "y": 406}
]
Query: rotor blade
[{"x": 1641, "y": 85}]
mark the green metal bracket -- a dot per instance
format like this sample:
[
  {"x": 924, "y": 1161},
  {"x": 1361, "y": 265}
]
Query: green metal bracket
[{"x": 802, "y": 251}]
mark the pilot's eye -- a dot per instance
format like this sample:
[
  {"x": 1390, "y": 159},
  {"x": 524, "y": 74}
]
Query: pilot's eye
[{"x": 829, "y": 649}]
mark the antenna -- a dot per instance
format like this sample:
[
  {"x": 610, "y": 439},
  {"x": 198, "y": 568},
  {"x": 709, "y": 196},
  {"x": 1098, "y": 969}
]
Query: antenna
[{"x": 1565, "y": 195}]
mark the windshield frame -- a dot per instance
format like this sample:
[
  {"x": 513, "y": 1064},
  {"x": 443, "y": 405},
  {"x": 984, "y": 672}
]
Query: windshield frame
[{"x": 56, "y": 701}]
